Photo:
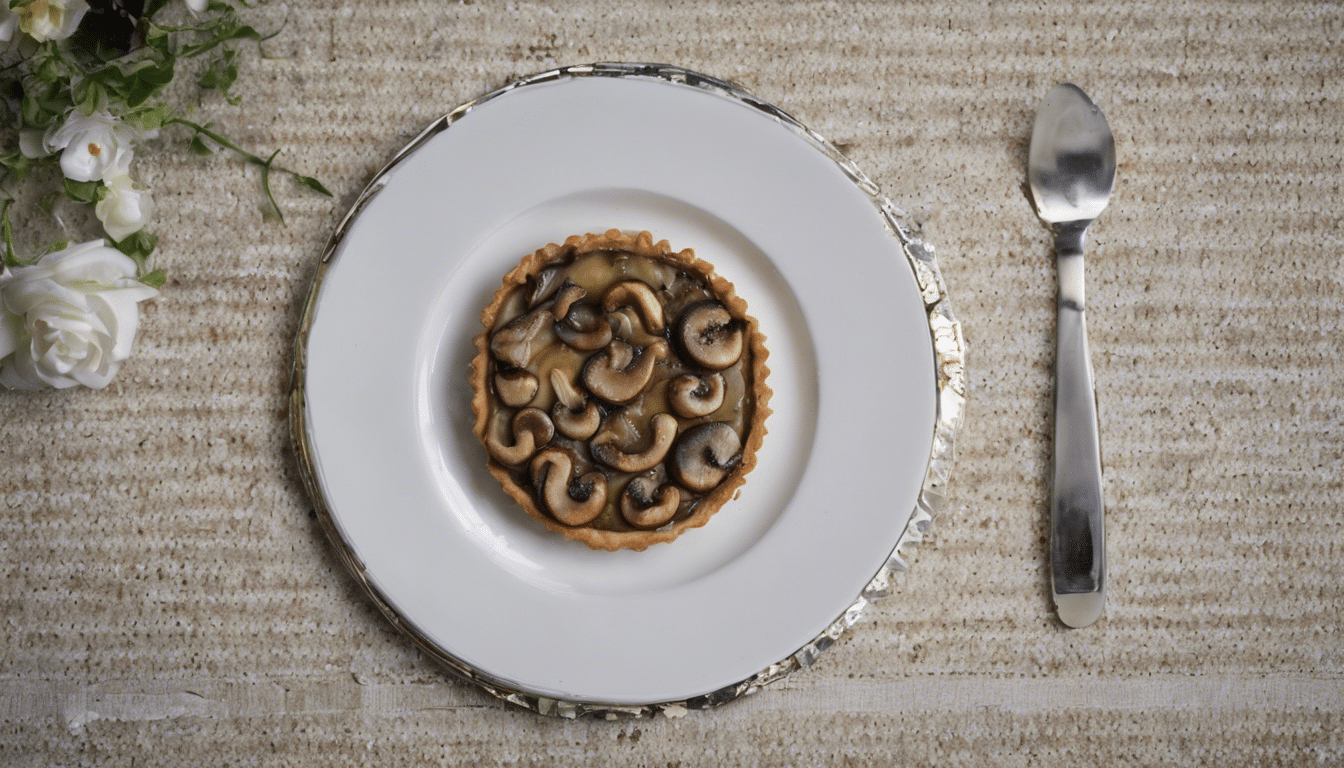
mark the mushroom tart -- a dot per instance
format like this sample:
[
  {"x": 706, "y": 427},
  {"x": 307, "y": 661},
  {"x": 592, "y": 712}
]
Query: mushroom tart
[{"x": 619, "y": 389}]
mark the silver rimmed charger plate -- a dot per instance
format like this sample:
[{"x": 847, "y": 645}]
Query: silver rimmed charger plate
[{"x": 866, "y": 369}]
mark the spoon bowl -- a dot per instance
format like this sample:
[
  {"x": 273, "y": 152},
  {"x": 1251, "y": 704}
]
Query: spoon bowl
[{"x": 1071, "y": 163}]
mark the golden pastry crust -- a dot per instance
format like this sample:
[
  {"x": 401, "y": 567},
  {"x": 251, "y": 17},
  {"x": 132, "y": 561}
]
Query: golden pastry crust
[{"x": 487, "y": 402}]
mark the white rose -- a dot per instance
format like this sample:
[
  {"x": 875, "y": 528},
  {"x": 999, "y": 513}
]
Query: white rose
[
  {"x": 70, "y": 318},
  {"x": 125, "y": 209},
  {"x": 197, "y": 6},
  {"x": 47, "y": 20},
  {"x": 97, "y": 146}
]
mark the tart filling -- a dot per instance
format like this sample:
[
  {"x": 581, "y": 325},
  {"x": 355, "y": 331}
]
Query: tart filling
[{"x": 619, "y": 389}]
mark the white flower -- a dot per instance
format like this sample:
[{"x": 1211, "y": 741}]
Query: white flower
[
  {"x": 125, "y": 209},
  {"x": 47, "y": 20},
  {"x": 9, "y": 21},
  {"x": 70, "y": 318},
  {"x": 197, "y": 6},
  {"x": 97, "y": 147}
]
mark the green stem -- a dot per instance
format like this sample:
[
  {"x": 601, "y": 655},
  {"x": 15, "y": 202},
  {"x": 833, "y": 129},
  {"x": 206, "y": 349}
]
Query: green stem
[
  {"x": 10, "y": 259},
  {"x": 218, "y": 139},
  {"x": 267, "y": 164}
]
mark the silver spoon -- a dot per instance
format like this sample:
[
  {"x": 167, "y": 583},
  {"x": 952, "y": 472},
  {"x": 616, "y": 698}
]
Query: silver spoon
[{"x": 1071, "y": 170}]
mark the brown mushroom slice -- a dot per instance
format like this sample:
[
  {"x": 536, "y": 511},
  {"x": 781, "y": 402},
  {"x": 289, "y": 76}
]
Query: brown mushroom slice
[
  {"x": 710, "y": 336},
  {"x": 615, "y": 375},
  {"x": 645, "y": 504},
  {"x": 569, "y": 294},
  {"x": 704, "y": 455},
  {"x": 517, "y": 342},
  {"x": 637, "y": 294},
  {"x": 575, "y": 416},
  {"x": 516, "y": 387},
  {"x": 694, "y": 396},
  {"x": 571, "y": 501},
  {"x": 664, "y": 427},
  {"x": 532, "y": 429},
  {"x": 547, "y": 282},
  {"x": 584, "y": 328}
]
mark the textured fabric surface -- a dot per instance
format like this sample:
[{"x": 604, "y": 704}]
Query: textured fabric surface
[{"x": 167, "y": 597}]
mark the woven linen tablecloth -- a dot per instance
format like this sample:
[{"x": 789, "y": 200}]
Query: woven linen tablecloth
[{"x": 167, "y": 596}]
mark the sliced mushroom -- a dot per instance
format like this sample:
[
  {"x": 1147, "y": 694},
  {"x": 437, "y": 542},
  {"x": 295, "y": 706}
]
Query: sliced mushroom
[
  {"x": 637, "y": 294},
  {"x": 704, "y": 455},
  {"x": 568, "y": 295},
  {"x": 532, "y": 429},
  {"x": 645, "y": 504},
  {"x": 615, "y": 375},
  {"x": 695, "y": 396},
  {"x": 516, "y": 342},
  {"x": 571, "y": 501},
  {"x": 574, "y": 415},
  {"x": 710, "y": 337},
  {"x": 516, "y": 387},
  {"x": 547, "y": 283},
  {"x": 664, "y": 427},
  {"x": 584, "y": 328}
]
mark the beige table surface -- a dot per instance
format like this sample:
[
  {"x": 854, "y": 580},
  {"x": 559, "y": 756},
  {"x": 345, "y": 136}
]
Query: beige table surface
[{"x": 167, "y": 597}]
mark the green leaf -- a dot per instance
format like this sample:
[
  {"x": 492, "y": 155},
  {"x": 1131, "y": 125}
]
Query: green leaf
[
  {"x": 81, "y": 191},
  {"x": 48, "y": 65},
  {"x": 11, "y": 259},
  {"x": 199, "y": 147},
  {"x": 39, "y": 109},
  {"x": 313, "y": 184},
  {"x": 157, "y": 38},
  {"x": 17, "y": 163},
  {"x": 266, "y": 185},
  {"x": 59, "y": 245},
  {"x": 230, "y": 29},
  {"x": 155, "y": 279},
  {"x": 138, "y": 245},
  {"x": 148, "y": 118},
  {"x": 88, "y": 94},
  {"x": 148, "y": 81},
  {"x": 221, "y": 75}
]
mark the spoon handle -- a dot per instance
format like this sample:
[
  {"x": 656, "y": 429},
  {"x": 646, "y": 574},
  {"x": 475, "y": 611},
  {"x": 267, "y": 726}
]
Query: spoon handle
[{"x": 1077, "y": 534}]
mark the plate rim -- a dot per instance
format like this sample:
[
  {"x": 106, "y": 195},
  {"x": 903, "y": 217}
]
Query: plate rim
[{"x": 950, "y": 389}]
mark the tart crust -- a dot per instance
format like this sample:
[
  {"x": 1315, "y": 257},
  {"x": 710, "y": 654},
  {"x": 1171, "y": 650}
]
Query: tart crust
[{"x": 642, "y": 245}]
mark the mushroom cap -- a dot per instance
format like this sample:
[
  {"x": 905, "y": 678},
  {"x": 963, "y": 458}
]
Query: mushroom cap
[
  {"x": 645, "y": 504},
  {"x": 516, "y": 387},
  {"x": 695, "y": 396},
  {"x": 710, "y": 336},
  {"x": 611, "y": 382},
  {"x": 577, "y": 425},
  {"x": 574, "y": 415},
  {"x": 572, "y": 502},
  {"x": 531, "y": 428},
  {"x": 664, "y": 434},
  {"x": 704, "y": 455},
  {"x": 637, "y": 294},
  {"x": 584, "y": 328}
]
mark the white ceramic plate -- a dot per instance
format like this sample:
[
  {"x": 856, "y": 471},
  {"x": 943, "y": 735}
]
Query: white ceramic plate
[{"x": 387, "y": 417}]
